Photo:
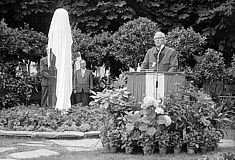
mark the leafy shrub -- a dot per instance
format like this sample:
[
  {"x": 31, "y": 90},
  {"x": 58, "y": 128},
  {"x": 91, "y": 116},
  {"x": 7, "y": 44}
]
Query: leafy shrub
[
  {"x": 92, "y": 48},
  {"x": 210, "y": 67},
  {"x": 187, "y": 43},
  {"x": 209, "y": 73},
  {"x": 132, "y": 40},
  {"x": 194, "y": 114},
  {"x": 16, "y": 90},
  {"x": 99, "y": 84},
  {"x": 34, "y": 118},
  {"x": 185, "y": 118},
  {"x": 115, "y": 104},
  {"x": 16, "y": 46},
  {"x": 119, "y": 82},
  {"x": 21, "y": 43},
  {"x": 230, "y": 78}
]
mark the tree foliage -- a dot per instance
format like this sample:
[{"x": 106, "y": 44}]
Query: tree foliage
[
  {"x": 210, "y": 67},
  {"x": 97, "y": 15},
  {"x": 216, "y": 20},
  {"x": 92, "y": 48},
  {"x": 213, "y": 18},
  {"x": 21, "y": 43},
  {"x": 132, "y": 40},
  {"x": 187, "y": 43}
]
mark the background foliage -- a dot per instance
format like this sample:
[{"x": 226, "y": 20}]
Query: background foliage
[
  {"x": 188, "y": 44},
  {"x": 211, "y": 18},
  {"x": 132, "y": 40},
  {"x": 118, "y": 33}
]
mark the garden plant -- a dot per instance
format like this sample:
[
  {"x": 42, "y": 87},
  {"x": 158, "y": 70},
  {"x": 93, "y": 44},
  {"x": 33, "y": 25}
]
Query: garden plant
[{"x": 187, "y": 120}]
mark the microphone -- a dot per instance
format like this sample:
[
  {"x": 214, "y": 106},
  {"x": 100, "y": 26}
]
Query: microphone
[{"x": 161, "y": 48}]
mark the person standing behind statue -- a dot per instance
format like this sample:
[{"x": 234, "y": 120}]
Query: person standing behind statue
[
  {"x": 77, "y": 62},
  {"x": 52, "y": 80},
  {"x": 160, "y": 57},
  {"x": 83, "y": 84},
  {"x": 76, "y": 66},
  {"x": 44, "y": 72}
]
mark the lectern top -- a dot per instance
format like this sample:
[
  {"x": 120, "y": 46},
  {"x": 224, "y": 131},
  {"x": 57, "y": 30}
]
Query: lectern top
[{"x": 144, "y": 71}]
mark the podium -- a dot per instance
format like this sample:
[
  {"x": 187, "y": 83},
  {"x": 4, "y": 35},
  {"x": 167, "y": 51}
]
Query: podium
[{"x": 150, "y": 83}]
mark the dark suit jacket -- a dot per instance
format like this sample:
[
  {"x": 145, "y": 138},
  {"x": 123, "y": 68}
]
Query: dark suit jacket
[
  {"x": 44, "y": 71},
  {"x": 83, "y": 83},
  {"x": 168, "y": 62}
]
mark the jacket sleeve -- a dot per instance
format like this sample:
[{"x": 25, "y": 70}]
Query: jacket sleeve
[
  {"x": 43, "y": 70},
  {"x": 173, "y": 62},
  {"x": 145, "y": 63}
]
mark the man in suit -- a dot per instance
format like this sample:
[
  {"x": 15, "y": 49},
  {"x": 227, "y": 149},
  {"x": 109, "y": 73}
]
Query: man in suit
[
  {"x": 83, "y": 83},
  {"x": 44, "y": 72},
  {"x": 161, "y": 57}
]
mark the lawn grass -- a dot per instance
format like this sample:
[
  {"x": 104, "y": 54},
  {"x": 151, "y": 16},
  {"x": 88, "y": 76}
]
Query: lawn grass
[
  {"x": 93, "y": 155},
  {"x": 229, "y": 134},
  {"x": 99, "y": 155}
]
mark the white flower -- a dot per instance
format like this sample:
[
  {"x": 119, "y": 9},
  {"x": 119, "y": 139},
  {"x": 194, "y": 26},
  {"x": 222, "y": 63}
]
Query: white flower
[
  {"x": 136, "y": 112},
  {"x": 147, "y": 99},
  {"x": 159, "y": 110},
  {"x": 150, "y": 101},
  {"x": 168, "y": 120},
  {"x": 143, "y": 106}
]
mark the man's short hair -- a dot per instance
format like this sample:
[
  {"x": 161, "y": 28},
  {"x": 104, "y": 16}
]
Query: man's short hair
[{"x": 159, "y": 34}]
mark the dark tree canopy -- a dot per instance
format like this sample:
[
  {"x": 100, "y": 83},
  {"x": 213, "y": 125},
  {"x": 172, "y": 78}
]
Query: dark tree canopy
[{"x": 214, "y": 19}]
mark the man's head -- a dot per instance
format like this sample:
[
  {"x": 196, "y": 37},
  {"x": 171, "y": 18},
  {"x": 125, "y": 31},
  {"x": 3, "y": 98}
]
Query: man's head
[
  {"x": 83, "y": 64},
  {"x": 159, "y": 39}
]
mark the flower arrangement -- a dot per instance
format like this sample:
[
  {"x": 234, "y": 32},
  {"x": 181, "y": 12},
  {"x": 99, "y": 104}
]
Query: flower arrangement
[
  {"x": 173, "y": 123},
  {"x": 150, "y": 120}
]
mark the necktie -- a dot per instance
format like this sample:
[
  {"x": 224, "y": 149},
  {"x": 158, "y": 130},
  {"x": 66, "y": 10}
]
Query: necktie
[{"x": 160, "y": 55}]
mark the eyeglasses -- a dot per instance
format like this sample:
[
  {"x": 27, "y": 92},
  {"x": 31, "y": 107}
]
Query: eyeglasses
[{"x": 159, "y": 38}]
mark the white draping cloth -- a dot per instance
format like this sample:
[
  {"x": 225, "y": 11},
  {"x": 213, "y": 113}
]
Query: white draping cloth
[{"x": 60, "y": 41}]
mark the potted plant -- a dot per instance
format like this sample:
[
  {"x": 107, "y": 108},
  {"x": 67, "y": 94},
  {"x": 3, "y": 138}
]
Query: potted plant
[
  {"x": 129, "y": 140},
  {"x": 164, "y": 142},
  {"x": 131, "y": 132},
  {"x": 177, "y": 142},
  {"x": 114, "y": 139},
  {"x": 210, "y": 141},
  {"x": 147, "y": 143},
  {"x": 192, "y": 142},
  {"x": 152, "y": 120},
  {"x": 104, "y": 138},
  {"x": 115, "y": 103}
]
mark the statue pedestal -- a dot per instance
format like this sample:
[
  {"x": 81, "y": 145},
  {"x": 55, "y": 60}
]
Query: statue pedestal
[{"x": 150, "y": 83}]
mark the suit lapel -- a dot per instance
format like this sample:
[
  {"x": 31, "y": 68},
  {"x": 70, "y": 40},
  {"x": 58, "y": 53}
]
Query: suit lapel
[{"x": 79, "y": 73}]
